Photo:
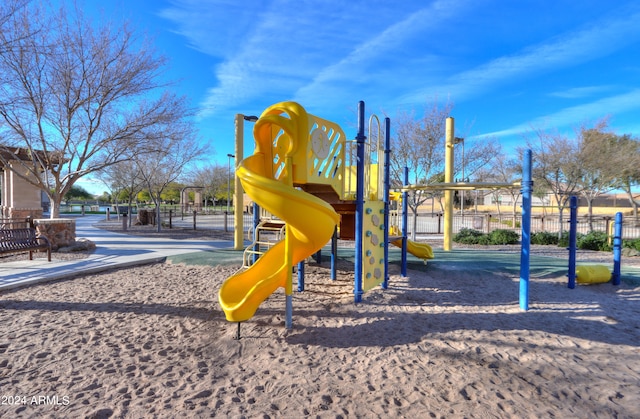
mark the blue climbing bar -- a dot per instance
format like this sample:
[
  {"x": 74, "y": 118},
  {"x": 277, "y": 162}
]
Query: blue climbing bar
[
  {"x": 617, "y": 249},
  {"x": 573, "y": 238},
  {"x": 360, "y": 142},
  {"x": 385, "y": 197},
  {"x": 527, "y": 190},
  {"x": 405, "y": 223}
]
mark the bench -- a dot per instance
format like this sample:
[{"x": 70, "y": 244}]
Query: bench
[{"x": 17, "y": 240}]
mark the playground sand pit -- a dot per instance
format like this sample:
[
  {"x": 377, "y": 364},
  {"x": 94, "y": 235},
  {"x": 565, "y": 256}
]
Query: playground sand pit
[{"x": 151, "y": 341}]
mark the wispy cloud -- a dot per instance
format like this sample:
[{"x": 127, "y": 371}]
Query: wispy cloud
[
  {"x": 598, "y": 40},
  {"x": 572, "y": 116},
  {"x": 404, "y": 53},
  {"x": 305, "y": 51},
  {"x": 581, "y": 92},
  {"x": 373, "y": 55}
]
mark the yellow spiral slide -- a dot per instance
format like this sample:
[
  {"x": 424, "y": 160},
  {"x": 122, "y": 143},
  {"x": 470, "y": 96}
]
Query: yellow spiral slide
[{"x": 310, "y": 225}]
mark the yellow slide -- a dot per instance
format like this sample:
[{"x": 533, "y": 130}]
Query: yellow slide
[
  {"x": 310, "y": 225},
  {"x": 419, "y": 250}
]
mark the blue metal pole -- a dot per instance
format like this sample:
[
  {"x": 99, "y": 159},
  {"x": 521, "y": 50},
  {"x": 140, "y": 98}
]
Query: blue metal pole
[
  {"x": 405, "y": 206},
  {"x": 256, "y": 221},
  {"x": 334, "y": 253},
  {"x": 360, "y": 142},
  {"x": 527, "y": 189},
  {"x": 573, "y": 228},
  {"x": 301, "y": 276},
  {"x": 385, "y": 197},
  {"x": 617, "y": 249}
]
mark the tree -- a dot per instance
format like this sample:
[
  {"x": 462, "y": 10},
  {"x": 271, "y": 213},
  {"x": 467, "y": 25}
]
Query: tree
[
  {"x": 505, "y": 170},
  {"x": 171, "y": 193},
  {"x": 540, "y": 192},
  {"x": 162, "y": 167},
  {"x": 556, "y": 166},
  {"x": 78, "y": 193},
  {"x": 8, "y": 38},
  {"x": 477, "y": 159},
  {"x": 213, "y": 179},
  {"x": 627, "y": 160},
  {"x": 419, "y": 146},
  {"x": 78, "y": 98},
  {"x": 124, "y": 181},
  {"x": 597, "y": 155}
]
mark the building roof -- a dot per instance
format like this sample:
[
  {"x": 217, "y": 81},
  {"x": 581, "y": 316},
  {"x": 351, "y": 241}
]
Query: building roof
[{"x": 8, "y": 153}]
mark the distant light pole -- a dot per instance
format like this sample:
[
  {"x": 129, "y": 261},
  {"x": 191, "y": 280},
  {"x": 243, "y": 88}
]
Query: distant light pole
[
  {"x": 459, "y": 140},
  {"x": 230, "y": 156}
]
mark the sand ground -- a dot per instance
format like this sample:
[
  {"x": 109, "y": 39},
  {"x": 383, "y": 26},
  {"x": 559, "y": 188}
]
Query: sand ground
[{"x": 445, "y": 342}]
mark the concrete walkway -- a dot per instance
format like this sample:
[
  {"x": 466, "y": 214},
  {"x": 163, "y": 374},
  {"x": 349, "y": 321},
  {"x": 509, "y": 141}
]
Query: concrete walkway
[{"x": 113, "y": 250}]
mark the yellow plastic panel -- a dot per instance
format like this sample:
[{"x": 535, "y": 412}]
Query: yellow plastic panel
[{"x": 373, "y": 244}]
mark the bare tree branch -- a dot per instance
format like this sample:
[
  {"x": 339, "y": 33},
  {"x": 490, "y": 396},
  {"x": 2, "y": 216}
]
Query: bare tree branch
[{"x": 81, "y": 98}]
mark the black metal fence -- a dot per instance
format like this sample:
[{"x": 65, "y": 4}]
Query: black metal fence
[
  {"x": 425, "y": 223},
  {"x": 434, "y": 223}
]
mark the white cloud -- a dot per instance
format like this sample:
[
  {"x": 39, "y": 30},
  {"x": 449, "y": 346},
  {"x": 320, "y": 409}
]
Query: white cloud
[
  {"x": 378, "y": 50},
  {"x": 576, "y": 115},
  {"x": 598, "y": 40},
  {"x": 581, "y": 92},
  {"x": 296, "y": 49},
  {"x": 325, "y": 52}
]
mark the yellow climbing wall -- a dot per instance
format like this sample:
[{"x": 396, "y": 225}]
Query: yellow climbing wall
[{"x": 373, "y": 244}]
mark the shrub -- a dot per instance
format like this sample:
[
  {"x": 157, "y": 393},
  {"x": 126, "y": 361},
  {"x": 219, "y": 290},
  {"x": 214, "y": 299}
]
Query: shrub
[
  {"x": 484, "y": 240},
  {"x": 501, "y": 236},
  {"x": 632, "y": 244},
  {"x": 595, "y": 240},
  {"x": 469, "y": 236},
  {"x": 544, "y": 237},
  {"x": 564, "y": 239}
]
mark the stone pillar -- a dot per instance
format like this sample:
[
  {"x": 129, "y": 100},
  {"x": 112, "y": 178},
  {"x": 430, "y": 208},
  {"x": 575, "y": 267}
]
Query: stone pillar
[
  {"x": 61, "y": 232},
  {"x": 184, "y": 200}
]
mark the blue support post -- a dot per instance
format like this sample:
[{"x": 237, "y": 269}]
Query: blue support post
[
  {"x": 301, "y": 276},
  {"x": 334, "y": 254},
  {"x": 405, "y": 211},
  {"x": 360, "y": 141},
  {"x": 385, "y": 194},
  {"x": 617, "y": 249},
  {"x": 527, "y": 190},
  {"x": 256, "y": 221},
  {"x": 573, "y": 229}
]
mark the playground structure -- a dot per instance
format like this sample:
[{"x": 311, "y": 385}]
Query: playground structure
[{"x": 317, "y": 186}]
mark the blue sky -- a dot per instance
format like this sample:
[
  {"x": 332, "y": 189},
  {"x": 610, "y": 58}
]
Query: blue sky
[{"x": 505, "y": 65}]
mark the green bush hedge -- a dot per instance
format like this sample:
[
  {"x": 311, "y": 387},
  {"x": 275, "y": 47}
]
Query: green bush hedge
[
  {"x": 563, "y": 241},
  {"x": 595, "y": 240},
  {"x": 544, "y": 237},
  {"x": 469, "y": 236},
  {"x": 496, "y": 237},
  {"x": 500, "y": 236},
  {"x": 632, "y": 244}
]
